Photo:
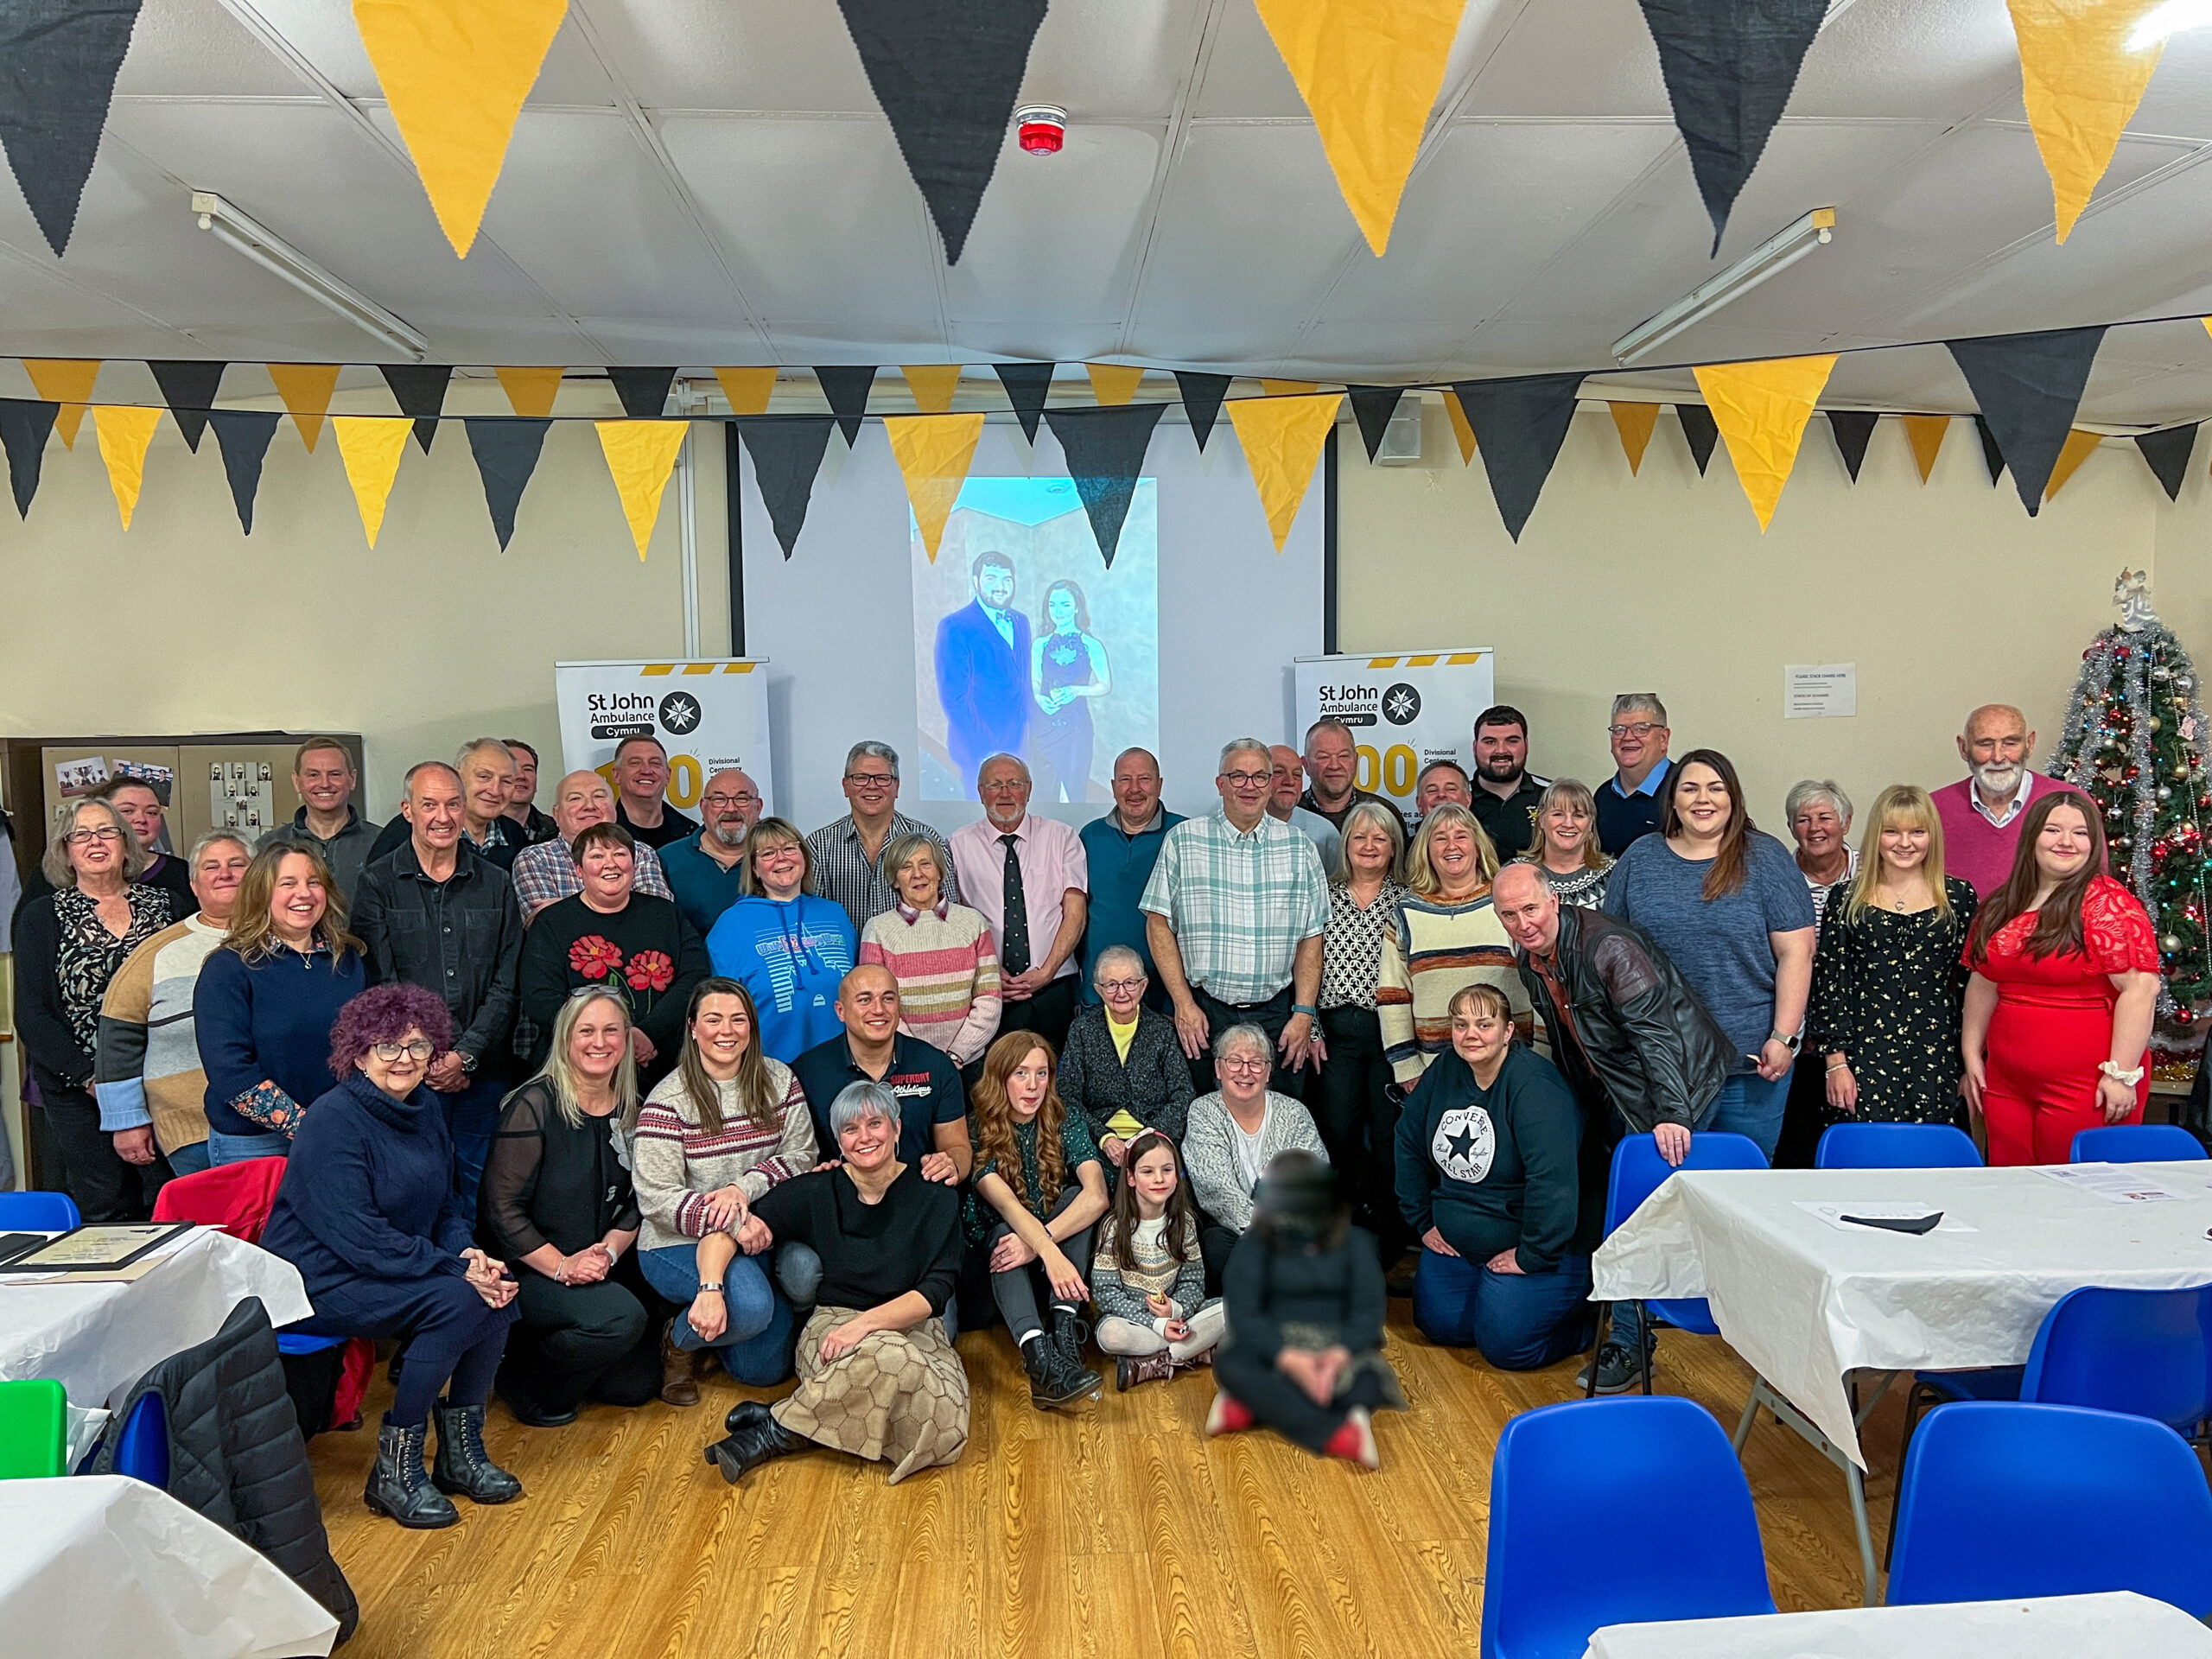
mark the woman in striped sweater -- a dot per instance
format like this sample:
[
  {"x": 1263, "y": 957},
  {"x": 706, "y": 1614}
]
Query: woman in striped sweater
[
  {"x": 724, "y": 1127},
  {"x": 1446, "y": 936},
  {"x": 940, "y": 953}
]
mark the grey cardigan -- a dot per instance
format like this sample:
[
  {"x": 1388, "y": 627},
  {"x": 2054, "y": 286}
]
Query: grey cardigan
[
  {"x": 1210, "y": 1152},
  {"x": 1153, "y": 1087}
]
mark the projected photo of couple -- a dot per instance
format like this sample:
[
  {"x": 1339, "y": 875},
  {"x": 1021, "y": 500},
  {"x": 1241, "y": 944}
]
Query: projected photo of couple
[{"x": 1034, "y": 647}]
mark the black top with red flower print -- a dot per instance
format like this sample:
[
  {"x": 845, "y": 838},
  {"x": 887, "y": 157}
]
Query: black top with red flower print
[{"x": 646, "y": 951}]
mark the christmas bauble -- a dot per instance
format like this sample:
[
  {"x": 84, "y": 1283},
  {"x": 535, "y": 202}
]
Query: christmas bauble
[
  {"x": 2169, "y": 941},
  {"x": 2155, "y": 724},
  {"x": 2164, "y": 794},
  {"x": 2185, "y": 684},
  {"x": 2184, "y": 1016}
]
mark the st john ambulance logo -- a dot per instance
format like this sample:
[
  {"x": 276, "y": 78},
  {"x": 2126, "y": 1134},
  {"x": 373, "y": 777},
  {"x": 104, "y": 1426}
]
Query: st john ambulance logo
[
  {"x": 679, "y": 713},
  {"x": 1402, "y": 704}
]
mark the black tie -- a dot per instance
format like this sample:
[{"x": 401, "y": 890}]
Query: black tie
[{"x": 1013, "y": 948}]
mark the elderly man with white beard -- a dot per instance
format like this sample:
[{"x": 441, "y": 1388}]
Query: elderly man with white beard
[{"x": 1981, "y": 812}]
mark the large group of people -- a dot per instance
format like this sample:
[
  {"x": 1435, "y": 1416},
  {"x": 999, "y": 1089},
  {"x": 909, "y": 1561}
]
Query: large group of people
[{"x": 571, "y": 1100}]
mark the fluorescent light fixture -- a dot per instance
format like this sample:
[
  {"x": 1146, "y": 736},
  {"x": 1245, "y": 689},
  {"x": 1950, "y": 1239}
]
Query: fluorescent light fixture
[
  {"x": 1775, "y": 254},
  {"x": 273, "y": 254},
  {"x": 2167, "y": 20}
]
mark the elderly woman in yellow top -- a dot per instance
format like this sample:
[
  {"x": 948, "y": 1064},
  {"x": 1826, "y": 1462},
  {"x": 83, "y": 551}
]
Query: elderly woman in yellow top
[{"x": 1446, "y": 935}]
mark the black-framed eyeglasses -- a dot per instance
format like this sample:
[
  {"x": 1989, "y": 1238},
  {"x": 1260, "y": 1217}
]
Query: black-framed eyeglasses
[{"x": 420, "y": 1049}]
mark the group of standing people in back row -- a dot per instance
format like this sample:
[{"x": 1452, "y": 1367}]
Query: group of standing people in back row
[{"x": 641, "y": 1086}]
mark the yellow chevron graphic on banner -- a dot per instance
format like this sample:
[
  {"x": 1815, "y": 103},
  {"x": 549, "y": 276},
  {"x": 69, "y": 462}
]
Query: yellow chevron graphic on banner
[
  {"x": 657, "y": 668},
  {"x": 1420, "y": 662},
  {"x": 739, "y": 667},
  {"x": 1460, "y": 658},
  {"x": 1382, "y": 662}
]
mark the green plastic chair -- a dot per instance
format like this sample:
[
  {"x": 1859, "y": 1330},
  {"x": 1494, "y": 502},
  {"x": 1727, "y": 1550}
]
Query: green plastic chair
[{"x": 33, "y": 1429}]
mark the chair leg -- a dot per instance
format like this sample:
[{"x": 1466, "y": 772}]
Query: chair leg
[
  {"x": 1855, "y": 1485},
  {"x": 1597, "y": 1347},
  {"x": 1915, "y": 1402},
  {"x": 1645, "y": 1343}
]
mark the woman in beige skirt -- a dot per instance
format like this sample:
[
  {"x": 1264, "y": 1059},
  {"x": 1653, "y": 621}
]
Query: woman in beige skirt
[{"x": 878, "y": 1375}]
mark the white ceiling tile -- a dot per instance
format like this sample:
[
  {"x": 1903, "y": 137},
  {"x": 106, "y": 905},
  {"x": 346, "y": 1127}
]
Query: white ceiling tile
[{"x": 196, "y": 48}]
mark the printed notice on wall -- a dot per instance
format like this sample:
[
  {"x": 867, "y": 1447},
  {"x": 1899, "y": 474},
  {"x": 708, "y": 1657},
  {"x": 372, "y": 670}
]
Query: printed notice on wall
[{"x": 1820, "y": 690}]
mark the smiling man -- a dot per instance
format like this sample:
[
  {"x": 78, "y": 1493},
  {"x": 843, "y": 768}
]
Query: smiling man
[
  {"x": 983, "y": 668},
  {"x": 1331, "y": 761},
  {"x": 323, "y": 777},
  {"x": 932, "y": 1110},
  {"x": 848, "y": 854},
  {"x": 707, "y": 870},
  {"x": 1119, "y": 849},
  {"x": 1027, "y": 876},
  {"x": 545, "y": 873},
  {"x": 1630, "y": 803},
  {"x": 641, "y": 791},
  {"x": 1981, "y": 813}
]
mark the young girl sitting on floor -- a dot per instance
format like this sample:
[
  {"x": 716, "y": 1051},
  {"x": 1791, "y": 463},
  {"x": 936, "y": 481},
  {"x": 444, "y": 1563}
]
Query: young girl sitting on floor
[
  {"x": 1305, "y": 1301},
  {"x": 1149, "y": 1281}
]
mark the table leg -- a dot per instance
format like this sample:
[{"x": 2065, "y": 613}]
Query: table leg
[
  {"x": 1764, "y": 1394},
  {"x": 1855, "y": 1483}
]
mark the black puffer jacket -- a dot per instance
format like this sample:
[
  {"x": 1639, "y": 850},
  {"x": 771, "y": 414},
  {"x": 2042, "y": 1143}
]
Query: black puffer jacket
[
  {"x": 235, "y": 1455},
  {"x": 1647, "y": 1046}
]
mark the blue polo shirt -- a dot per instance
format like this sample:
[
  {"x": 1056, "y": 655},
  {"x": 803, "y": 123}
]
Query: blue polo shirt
[
  {"x": 1119, "y": 866},
  {"x": 920, "y": 1074},
  {"x": 1623, "y": 819},
  {"x": 703, "y": 889}
]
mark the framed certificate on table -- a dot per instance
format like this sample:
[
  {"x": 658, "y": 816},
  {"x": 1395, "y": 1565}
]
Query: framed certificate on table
[{"x": 97, "y": 1247}]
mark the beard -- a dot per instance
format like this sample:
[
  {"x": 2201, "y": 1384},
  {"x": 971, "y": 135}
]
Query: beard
[
  {"x": 1503, "y": 769},
  {"x": 1999, "y": 778},
  {"x": 731, "y": 839}
]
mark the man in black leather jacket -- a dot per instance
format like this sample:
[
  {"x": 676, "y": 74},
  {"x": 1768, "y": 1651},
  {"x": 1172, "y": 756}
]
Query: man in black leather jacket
[{"x": 1629, "y": 1035}]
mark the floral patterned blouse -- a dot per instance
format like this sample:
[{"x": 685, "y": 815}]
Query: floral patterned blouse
[{"x": 90, "y": 954}]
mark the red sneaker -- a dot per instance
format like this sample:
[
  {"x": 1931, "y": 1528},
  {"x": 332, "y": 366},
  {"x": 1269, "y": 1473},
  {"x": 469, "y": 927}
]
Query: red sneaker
[
  {"x": 1228, "y": 1416},
  {"x": 1355, "y": 1440}
]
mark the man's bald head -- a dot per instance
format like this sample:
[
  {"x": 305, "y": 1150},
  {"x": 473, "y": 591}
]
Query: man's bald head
[
  {"x": 1994, "y": 718},
  {"x": 729, "y": 806},
  {"x": 1995, "y": 746},
  {"x": 868, "y": 1001},
  {"x": 580, "y": 800},
  {"x": 1526, "y": 908}
]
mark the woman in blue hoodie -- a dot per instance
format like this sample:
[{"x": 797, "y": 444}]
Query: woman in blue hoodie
[{"x": 1486, "y": 1154}]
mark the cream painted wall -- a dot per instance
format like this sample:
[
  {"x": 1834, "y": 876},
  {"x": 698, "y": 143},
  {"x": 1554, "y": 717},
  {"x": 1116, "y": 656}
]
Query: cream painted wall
[{"x": 1946, "y": 596}]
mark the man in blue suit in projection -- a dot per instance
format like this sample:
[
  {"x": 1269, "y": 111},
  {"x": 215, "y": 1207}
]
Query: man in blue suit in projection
[{"x": 983, "y": 670}]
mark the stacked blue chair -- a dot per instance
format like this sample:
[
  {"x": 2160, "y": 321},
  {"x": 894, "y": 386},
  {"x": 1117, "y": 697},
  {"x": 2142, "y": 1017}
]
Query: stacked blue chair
[
  {"x": 142, "y": 1448},
  {"x": 2136, "y": 1143},
  {"x": 1546, "y": 1588},
  {"x": 1895, "y": 1146},
  {"x": 2000, "y": 1501},
  {"x": 38, "y": 1212}
]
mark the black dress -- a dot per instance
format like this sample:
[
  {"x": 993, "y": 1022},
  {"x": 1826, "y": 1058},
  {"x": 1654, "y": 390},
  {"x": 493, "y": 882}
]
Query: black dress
[{"x": 1889, "y": 993}]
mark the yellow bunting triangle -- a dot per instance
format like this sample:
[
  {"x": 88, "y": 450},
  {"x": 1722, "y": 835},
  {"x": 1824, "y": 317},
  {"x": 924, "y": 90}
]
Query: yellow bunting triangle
[
  {"x": 66, "y": 381},
  {"x": 1761, "y": 409},
  {"x": 124, "y": 431},
  {"x": 2082, "y": 85},
  {"x": 933, "y": 452},
  {"x": 530, "y": 391},
  {"x": 747, "y": 390},
  {"x": 1113, "y": 383},
  {"x": 371, "y": 446},
  {"x": 1925, "y": 433},
  {"x": 933, "y": 385},
  {"x": 1289, "y": 388},
  {"x": 639, "y": 453},
  {"x": 1281, "y": 438},
  {"x": 2078, "y": 448},
  {"x": 1370, "y": 71},
  {"x": 306, "y": 389},
  {"x": 456, "y": 74},
  {"x": 1462, "y": 429},
  {"x": 1634, "y": 422}
]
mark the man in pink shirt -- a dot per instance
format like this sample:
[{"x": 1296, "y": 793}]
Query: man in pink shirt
[
  {"x": 1031, "y": 880},
  {"x": 1981, "y": 812}
]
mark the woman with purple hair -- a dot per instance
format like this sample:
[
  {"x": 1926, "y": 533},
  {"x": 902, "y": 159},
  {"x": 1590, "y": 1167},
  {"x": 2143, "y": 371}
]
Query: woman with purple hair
[{"x": 368, "y": 1214}]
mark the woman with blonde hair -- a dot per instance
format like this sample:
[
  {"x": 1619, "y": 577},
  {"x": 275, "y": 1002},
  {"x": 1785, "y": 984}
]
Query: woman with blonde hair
[
  {"x": 1357, "y": 1111},
  {"x": 1567, "y": 852},
  {"x": 789, "y": 947},
  {"x": 1444, "y": 936},
  {"x": 1889, "y": 989},
  {"x": 267, "y": 999}
]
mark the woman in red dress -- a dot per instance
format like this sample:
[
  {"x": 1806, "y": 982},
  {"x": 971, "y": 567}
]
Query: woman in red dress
[{"x": 2063, "y": 988}]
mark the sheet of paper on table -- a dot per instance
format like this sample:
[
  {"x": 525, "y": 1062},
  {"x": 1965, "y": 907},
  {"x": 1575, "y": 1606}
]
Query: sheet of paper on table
[
  {"x": 2120, "y": 1183},
  {"x": 1833, "y": 1214}
]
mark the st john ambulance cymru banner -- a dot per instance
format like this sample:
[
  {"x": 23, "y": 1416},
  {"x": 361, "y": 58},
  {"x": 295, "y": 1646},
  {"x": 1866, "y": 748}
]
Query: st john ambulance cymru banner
[
  {"x": 1404, "y": 711},
  {"x": 708, "y": 715}
]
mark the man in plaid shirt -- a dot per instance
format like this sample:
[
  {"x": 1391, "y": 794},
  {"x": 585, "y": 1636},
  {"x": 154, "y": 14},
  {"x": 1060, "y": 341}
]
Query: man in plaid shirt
[{"x": 545, "y": 873}]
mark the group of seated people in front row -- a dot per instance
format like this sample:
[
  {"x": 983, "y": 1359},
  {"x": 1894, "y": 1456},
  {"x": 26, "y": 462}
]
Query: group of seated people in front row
[{"x": 791, "y": 1110}]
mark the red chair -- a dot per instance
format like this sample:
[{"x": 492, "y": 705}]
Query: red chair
[{"x": 237, "y": 1199}]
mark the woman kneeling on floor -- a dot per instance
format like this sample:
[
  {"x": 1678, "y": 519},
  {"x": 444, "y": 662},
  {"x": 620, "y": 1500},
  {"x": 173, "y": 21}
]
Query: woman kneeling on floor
[
  {"x": 369, "y": 1215},
  {"x": 1305, "y": 1295},
  {"x": 1148, "y": 1279},
  {"x": 878, "y": 1377}
]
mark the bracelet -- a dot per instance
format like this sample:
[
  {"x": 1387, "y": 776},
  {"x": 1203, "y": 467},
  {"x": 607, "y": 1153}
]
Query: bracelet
[
  {"x": 561, "y": 1272},
  {"x": 2113, "y": 1070},
  {"x": 1840, "y": 1065},
  {"x": 716, "y": 1287}
]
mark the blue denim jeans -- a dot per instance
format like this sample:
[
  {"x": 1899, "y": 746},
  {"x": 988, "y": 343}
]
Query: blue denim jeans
[
  {"x": 237, "y": 1148},
  {"x": 472, "y": 1117},
  {"x": 756, "y": 1348},
  {"x": 1520, "y": 1322},
  {"x": 1749, "y": 1105},
  {"x": 189, "y": 1160}
]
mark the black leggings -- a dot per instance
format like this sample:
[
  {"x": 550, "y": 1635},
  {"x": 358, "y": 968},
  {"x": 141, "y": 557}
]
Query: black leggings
[
  {"x": 1279, "y": 1404},
  {"x": 1359, "y": 1124},
  {"x": 1016, "y": 1291},
  {"x": 575, "y": 1341}
]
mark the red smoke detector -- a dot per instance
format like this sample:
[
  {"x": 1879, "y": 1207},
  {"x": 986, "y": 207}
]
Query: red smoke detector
[{"x": 1041, "y": 129}]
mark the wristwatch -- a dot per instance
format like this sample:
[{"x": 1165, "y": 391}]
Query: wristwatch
[
  {"x": 1310, "y": 1013},
  {"x": 468, "y": 1063},
  {"x": 1788, "y": 1040}
]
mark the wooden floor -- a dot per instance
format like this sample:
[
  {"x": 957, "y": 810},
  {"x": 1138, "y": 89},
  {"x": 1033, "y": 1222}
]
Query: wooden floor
[{"x": 1118, "y": 1531}]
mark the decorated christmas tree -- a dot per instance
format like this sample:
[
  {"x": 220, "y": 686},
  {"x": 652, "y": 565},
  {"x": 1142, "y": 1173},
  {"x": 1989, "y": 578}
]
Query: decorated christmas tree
[{"x": 2135, "y": 742}]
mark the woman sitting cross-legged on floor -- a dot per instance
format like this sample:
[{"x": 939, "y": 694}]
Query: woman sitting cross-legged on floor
[
  {"x": 877, "y": 1375},
  {"x": 1304, "y": 1297},
  {"x": 1038, "y": 1188},
  {"x": 715, "y": 1135},
  {"x": 368, "y": 1214},
  {"x": 1148, "y": 1279},
  {"x": 1486, "y": 1152}
]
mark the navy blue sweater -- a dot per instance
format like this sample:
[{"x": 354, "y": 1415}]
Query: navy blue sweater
[
  {"x": 1492, "y": 1170},
  {"x": 369, "y": 1193},
  {"x": 264, "y": 1034}
]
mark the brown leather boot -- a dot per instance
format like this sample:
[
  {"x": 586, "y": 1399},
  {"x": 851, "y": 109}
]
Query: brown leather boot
[{"x": 677, "y": 1385}]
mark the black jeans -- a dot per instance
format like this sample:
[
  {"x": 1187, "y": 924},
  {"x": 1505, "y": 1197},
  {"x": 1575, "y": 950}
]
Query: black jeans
[
  {"x": 1048, "y": 1013},
  {"x": 1214, "y": 1243},
  {"x": 577, "y": 1341},
  {"x": 1358, "y": 1121},
  {"x": 1271, "y": 1016},
  {"x": 77, "y": 1156},
  {"x": 1279, "y": 1404},
  {"x": 1016, "y": 1290}
]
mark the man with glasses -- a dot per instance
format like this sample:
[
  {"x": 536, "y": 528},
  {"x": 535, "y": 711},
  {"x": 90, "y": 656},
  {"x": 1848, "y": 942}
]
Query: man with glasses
[
  {"x": 1629, "y": 805},
  {"x": 707, "y": 869},
  {"x": 546, "y": 873},
  {"x": 1120, "y": 850},
  {"x": 1234, "y": 911},
  {"x": 1027, "y": 876},
  {"x": 1981, "y": 813},
  {"x": 848, "y": 855}
]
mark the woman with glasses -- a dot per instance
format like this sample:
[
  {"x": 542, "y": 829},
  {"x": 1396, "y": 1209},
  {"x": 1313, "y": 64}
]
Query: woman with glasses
[
  {"x": 1359, "y": 1111},
  {"x": 788, "y": 948},
  {"x": 1232, "y": 1134},
  {"x": 940, "y": 952},
  {"x": 369, "y": 1215},
  {"x": 1123, "y": 1071},
  {"x": 69, "y": 942}
]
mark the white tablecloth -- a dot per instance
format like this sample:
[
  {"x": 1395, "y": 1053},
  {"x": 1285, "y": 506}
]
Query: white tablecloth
[
  {"x": 1805, "y": 1302},
  {"x": 103, "y": 1566},
  {"x": 2122, "y": 1625},
  {"x": 97, "y": 1340}
]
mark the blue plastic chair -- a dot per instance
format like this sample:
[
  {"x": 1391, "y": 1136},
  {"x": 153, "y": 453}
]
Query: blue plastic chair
[
  {"x": 1895, "y": 1146},
  {"x": 38, "y": 1212},
  {"x": 2136, "y": 1143},
  {"x": 1545, "y": 1589},
  {"x": 142, "y": 1446},
  {"x": 1638, "y": 1172},
  {"x": 1999, "y": 1502}
]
